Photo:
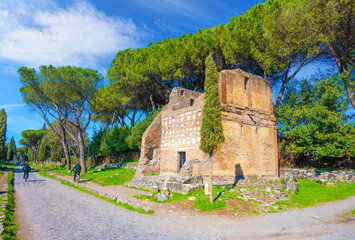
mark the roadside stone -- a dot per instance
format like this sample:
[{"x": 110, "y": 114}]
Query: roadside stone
[
  {"x": 136, "y": 206},
  {"x": 165, "y": 191},
  {"x": 321, "y": 181},
  {"x": 289, "y": 177},
  {"x": 147, "y": 209},
  {"x": 162, "y": 197},
  {"x": 154, "y": 189},
  {"x": 292, "y": 186},
  {"x": 243, "y": 190},
  {"x": 330, "y": 184},
  {"x": 192, "y": 198}
]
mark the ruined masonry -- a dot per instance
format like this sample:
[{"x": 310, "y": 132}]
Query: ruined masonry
[{"x": 170, "y": 146}]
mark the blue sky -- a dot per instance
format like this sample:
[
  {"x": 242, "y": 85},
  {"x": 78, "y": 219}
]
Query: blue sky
[{"x": 89, "y": 34}]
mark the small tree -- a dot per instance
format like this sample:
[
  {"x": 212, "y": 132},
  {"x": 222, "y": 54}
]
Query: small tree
[
  {"x": 3, "y": 126},
  {"x": 211, "y": 128},
  {"x": 31, "y": 139},
  {"x": 11, "y": 152}
]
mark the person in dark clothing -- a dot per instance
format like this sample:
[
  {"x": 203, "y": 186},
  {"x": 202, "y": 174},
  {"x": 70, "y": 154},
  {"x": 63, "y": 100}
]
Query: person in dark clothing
[
  {"x": 26, "y": 169},
  {"x": 76, "y": 169}
]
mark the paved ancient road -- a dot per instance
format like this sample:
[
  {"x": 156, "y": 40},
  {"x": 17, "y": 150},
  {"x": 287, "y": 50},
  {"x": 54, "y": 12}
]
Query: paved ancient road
[
  {"x": 54, "y": 211},
  {"x": 50, "y": 210}
]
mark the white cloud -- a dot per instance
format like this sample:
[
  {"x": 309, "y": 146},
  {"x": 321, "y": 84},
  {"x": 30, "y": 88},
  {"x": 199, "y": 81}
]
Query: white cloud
[
  {"x": 42, "y": 33},
  {"x": 165, "y": 26},
  {"x": 9, "y": 106}
]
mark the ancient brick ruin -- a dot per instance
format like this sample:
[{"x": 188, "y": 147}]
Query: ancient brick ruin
[{"x": 171, "y": 143}]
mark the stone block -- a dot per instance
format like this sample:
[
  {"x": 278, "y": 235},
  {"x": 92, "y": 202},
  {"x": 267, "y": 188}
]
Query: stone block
[
  {"x": 154, "y": 189},
  {"x": 289, "y": 177},
  {"x": 162, "y": 197},
  {"x": 292, "y": 186},
  {"x": 321, "y": 181}
]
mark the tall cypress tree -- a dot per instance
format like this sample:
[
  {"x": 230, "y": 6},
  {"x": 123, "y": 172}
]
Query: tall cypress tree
[
  {"x": 211, "y": 127},
  {"x": 42, "y": 151},
  {"x": 3, "y": 127},
  {"x": 11, "y": 151}
]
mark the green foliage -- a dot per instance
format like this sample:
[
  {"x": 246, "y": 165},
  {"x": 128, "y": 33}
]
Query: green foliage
[
  {"x": 42, "y": 152},
  {"x": 113, "y": 141},
  {"x": 31, "y": 139},
  {"x": 3, "y": 127},
  {"x": 134, "y": 140},
  {"x": 349, "y": 214},
  {"x": 211, "y": 126},
  {"x": 312, "y": 122},
  {"x": 29, "y": 155},
  {"x": 94, "y": 146},
  {"x": 57, "y": 151},
  {"x": 110, "y": 176},
  {"x": 10, "y": 226},
  {"x": 11, "y": 151},
  {"x": 204, "y": 205},
  {"x": 311, "y": 193}
]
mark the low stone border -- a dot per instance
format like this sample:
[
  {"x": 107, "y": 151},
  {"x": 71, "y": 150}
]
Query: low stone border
[
  {"x": 129, "y": 165},
  {"x": 314, "y": 174}
]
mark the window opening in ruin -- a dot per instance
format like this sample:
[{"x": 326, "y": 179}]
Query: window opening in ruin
[
  {"x": 182, "y": 159},
  {"x": 182, "y": 93},
  {"x": 192, "y": 102},
  {"x": 245, "y": 82}
]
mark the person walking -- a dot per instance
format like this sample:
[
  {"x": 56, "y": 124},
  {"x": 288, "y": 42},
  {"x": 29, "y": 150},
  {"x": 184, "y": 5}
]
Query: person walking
[
  {"x": 77, "y": 169},
  {"x": 26, "y": 169}
]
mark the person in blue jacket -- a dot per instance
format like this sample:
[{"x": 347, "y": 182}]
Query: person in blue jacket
[
  {"x": 26, "y": 169},
  {"x": 76, "y": 169}
]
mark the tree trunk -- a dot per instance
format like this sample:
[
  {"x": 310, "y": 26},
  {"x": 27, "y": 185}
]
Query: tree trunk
[
  {"x": 65, "y": 148},
  {"x": 81, "y": 151},
  {"x": 66, "y": 153},
  {"x": 349, "y": 91},
  {"x": 35, "y": 155},
  {"x": 281, "y": 93},
  {"x": 211, "y": 177}
]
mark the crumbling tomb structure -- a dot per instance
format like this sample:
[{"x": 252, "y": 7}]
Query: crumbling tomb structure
[{"x": 171, "y": 143}]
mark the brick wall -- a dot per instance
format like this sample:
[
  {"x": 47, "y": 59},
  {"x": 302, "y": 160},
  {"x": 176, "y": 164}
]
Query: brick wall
[{"x": 249, "y": 125}]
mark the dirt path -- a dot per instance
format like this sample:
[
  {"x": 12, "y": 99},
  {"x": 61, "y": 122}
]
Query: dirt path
[
  {"x": 53, "y": 211},
  {"x": 3, "y": 183},
  {"x": 125, "y": 194}
]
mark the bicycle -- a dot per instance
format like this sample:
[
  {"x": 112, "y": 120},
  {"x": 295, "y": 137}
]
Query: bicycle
[
  {"x": 25, "y": 175},
  {"x": 76, "y": 177}
]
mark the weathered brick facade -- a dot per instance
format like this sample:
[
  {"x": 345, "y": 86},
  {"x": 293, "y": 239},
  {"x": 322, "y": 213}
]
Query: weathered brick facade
[{"x": 249, "y": 125}]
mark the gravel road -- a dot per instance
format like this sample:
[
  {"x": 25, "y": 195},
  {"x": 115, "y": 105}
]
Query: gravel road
[
  {"x": 50, "y": 210},
  {"x": 47, "y": 209}
]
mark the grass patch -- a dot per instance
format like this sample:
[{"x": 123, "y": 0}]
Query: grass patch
[
  {"x": 83, "y": 189},
  {"x": 103, "y": 177},
  {"x": 204, "y": 205},
  {"x": 349, "y": 214},
  {"x": 202, "y": 201},
  {"x": 112, "y": 176},
  {"x": 10, "y": 227},
  {"x": 311, "y": 193}
]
